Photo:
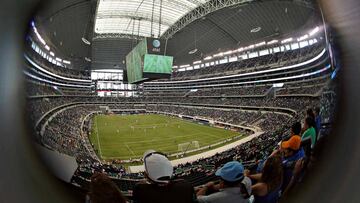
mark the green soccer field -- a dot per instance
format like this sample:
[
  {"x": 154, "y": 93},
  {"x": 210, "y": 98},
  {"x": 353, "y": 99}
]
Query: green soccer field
[{"x": 129, "y": 136}]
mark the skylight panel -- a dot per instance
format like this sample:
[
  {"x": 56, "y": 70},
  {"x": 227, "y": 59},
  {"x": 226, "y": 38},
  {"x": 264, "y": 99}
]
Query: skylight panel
[{"x": 134, "y": 17}]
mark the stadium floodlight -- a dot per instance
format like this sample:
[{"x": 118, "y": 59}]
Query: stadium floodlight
[
  {"x": 278, "y": 85},
  {"x": 314, "y": 31},
  {"x": 47, "y": 47},
  {"x": 58, "y": 59},
  {"x": 254, "y": 30},
  {"x": 260, "y": 44},
  {"x": 228, "y": 52},
  {"x": 208, "y": 58},
  {"x": 184, "y": 66},
  {"x": 197, "y": 62},
  {"x": 303, "y": 38},
  {"x": 193, "y": 51},
  {"x": 66, "y": 62},
  {"x": 272, "y": 42},
  {"x": 175, "y": 67},
  {"x": 287, "y": 40},
  {"x": 39, "y": 36},
  {"x": 240, "y": 49},
  {"x": 85, "y": 41},
  {"x": 250, "y": 47},
  {"x": 52, "y": 53},
  {"x": 87, "y": 59},
  {"x": 219, "y": 54}
]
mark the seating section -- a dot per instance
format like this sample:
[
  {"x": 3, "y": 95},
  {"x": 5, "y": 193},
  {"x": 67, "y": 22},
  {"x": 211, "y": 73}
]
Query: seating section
[
  {"x": 250, "y": 65},
  {"x": 65, "y": 72},
  {"x": 34, "y": 89}
]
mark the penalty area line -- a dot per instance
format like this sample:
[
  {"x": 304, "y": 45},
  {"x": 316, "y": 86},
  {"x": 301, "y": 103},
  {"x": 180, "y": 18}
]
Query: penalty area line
[{"x": 127, "y": 146}]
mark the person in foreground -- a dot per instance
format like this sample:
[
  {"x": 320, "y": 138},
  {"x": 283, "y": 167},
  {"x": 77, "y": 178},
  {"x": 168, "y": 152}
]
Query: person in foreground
[
  {"x": 293, "y": 156},
  {"x": 233, "y": 186},
  {"x": 102, "y": 189},
  {"x": 269, "y": 181},
  {"x": 159, "y": 186}
]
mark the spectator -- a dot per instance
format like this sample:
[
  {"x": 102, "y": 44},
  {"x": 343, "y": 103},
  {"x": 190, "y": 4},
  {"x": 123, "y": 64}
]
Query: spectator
[
  {"x": 102, "y": 189},
  {"x": 229, "y": 189},
  {"x": 317, "y": 121},
  {"x": 160, "y": 188},
  {"x": 292, "y": 152},
  {"x": 310, "y": 113},
  {"x": 296, "y": 129},
  {"x": 269, "y": 181},
  {"x": 310, "y": 132}
]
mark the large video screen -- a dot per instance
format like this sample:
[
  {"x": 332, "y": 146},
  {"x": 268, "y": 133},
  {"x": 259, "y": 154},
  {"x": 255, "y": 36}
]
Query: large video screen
[
  {"x": 158, "y": 64},
  {"x": 134, "y": 62}
]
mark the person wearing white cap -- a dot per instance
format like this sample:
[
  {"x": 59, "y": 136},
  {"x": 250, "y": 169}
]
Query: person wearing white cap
[
  {"x": 233, "y": 186},
  {"x": 160, "y": 187},
  {"x": 158, "y": 168}
]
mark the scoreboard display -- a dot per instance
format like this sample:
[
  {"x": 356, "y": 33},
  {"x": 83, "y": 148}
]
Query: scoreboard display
[
  {"x": 134, "y": 63},
  {"x": 147, "y": 61},
  {"x": 158, "y": 64}
]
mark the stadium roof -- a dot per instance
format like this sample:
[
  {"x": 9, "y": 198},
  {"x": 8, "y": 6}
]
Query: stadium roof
[
  {"x": 140, "y": 17},
  {"x": 210, "y": 26}
]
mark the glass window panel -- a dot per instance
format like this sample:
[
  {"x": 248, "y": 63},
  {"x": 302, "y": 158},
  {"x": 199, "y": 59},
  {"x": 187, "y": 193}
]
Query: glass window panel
[
  {"x": 253, "y": 55},
  {"x": 116, "y": 16},
  {"x": 264, "y": 52},
  {"x": 294, "y": 46},
  {"x": 304, "y": 44}
]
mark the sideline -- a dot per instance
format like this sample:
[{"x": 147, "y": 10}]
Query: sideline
[{"x": 140, "y": 168}]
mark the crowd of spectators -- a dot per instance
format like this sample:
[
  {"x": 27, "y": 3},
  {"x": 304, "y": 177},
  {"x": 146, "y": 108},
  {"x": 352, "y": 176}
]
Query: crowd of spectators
[
  {"x": 62, "y": 71},
  {"x": 266, "y": 120},
  {"x": 237, "y": 91},
  {"x": 34, "y": 89},
  {"x": 309, "y": 87},
  {"x": 274, "y": 60},
  {"x": 310, "y": 90},
  {"x": 63, "y": 131}
]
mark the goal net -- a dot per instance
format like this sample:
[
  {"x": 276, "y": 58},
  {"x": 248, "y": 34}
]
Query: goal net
[{"x": 184, "y": 147}]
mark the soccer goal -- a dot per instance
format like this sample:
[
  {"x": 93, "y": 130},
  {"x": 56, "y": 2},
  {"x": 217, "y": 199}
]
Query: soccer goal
[{"x": 184, "y": 147}]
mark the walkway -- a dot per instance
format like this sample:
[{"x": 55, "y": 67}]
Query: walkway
[{"x": 140, "y": 168}]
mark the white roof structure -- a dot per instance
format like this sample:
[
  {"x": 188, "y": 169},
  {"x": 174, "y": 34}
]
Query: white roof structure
[{"x": 134, "y": 17}]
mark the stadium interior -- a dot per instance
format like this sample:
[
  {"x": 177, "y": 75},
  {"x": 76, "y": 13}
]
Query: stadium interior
[{"x": 243, "y": 72}]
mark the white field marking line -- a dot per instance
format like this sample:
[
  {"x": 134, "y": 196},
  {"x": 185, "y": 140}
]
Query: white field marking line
[
  {"x": 214, "y": 136},
  {"x": 140, "y": 147},
  {"x": 221, "y": 138},
  {"x": 152, "y": 125},
  {"x": 132, "y": 152},
  {"x": 97, "y": 136},
  {"x": 152, "y": 140},
  {"x": 162, "y": 146},
  {"x": 218, "y": 139},
  {"x": 170, "y": 138},
  {"x": 131, "y": 124},
  {"x": 161, "y": 139}
]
